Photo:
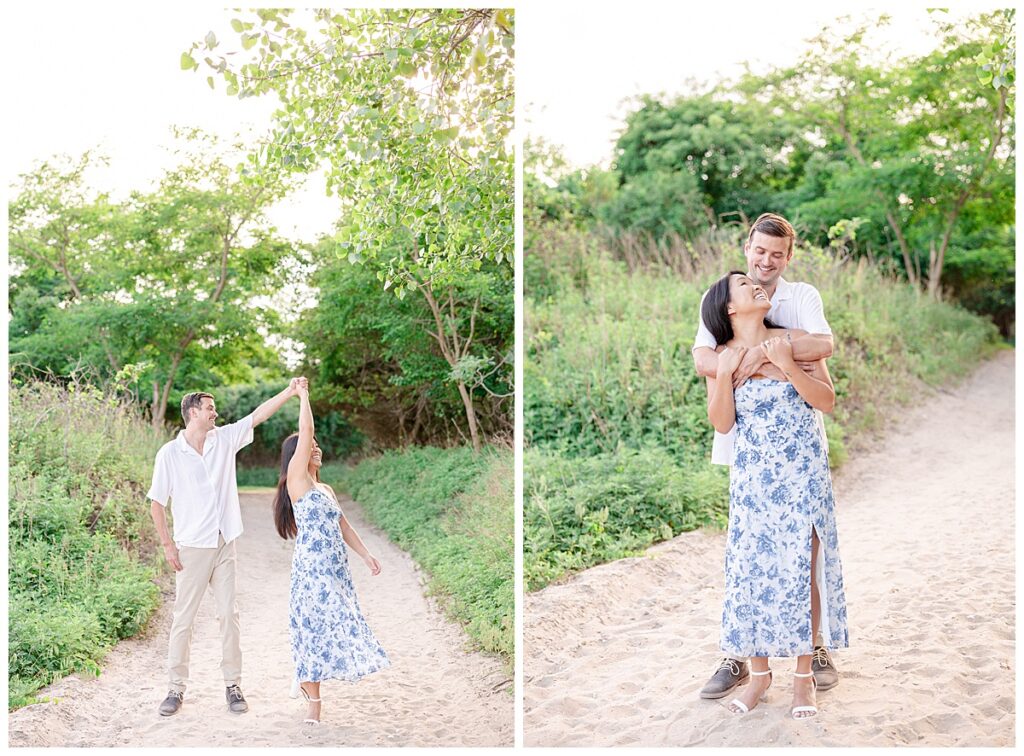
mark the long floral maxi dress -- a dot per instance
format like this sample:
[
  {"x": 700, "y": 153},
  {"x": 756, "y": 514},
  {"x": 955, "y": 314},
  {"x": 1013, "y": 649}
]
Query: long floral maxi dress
[
  {"x": 779, "y": 488},
  {"x": 329, "y": 637}
]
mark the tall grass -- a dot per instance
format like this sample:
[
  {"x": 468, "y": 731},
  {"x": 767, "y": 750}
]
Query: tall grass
[
  {"x": 452, "y": 510},
  {"x": 616, "y": 416},
  {"x": 81, "y": 544}
]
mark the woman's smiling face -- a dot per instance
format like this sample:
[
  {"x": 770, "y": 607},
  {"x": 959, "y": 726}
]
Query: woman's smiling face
[{"x": 745, "y": 295}]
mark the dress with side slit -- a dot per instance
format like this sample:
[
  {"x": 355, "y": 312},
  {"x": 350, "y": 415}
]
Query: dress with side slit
[{"x": 779, "y": 489}]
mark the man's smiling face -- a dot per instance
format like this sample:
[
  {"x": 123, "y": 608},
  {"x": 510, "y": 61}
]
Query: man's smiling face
[
  {"x": 767, "y": 257},
  {"x": 206, "y": 414}
]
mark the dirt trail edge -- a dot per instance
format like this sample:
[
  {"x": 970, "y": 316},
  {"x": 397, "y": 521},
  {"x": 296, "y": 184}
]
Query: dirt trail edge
[
  {"x": 437, "y": 693},
  {"x": 618, "y": 654}
]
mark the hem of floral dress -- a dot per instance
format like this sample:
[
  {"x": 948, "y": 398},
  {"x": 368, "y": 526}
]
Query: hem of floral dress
[
  {"x": 351, "y": 678},
  {"x": 775, "y": 654}
]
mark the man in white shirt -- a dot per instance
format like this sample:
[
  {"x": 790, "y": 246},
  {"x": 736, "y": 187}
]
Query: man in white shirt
[
  {"x": 196, "y": 471},
  {"x": 769, "y": 249}
]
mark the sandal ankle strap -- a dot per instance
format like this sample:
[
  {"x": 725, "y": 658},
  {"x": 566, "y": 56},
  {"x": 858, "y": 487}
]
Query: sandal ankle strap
[
  {"x": 803, "y": 674},
  {"x": 766, "y": 672}
]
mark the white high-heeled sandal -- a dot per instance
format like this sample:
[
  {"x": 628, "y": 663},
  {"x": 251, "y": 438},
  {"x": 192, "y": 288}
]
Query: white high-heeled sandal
[
  {"x": 762, "y": 698},
  {"x": 312, "y": 722},
  {"x": 813, "y": 709}
]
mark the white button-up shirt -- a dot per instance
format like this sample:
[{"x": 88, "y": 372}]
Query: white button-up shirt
[
  {"x": 794, "y": 305},
  {"x": 202, "y": 488}
]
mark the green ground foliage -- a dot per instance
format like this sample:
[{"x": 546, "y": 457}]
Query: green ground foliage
[
  {"x": 257, "y": 477},
  {"x": 452, "y": 511},
  {"x": 81, "y": 547},
  {"x": 616, "y": 422}
]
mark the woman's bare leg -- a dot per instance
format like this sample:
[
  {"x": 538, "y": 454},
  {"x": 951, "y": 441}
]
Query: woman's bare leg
[
  {"x": 312, "y": 690},
  {"x": 815, "y": 598},
  {"x": 803, "y": 687},
  {"x": 758, "y": 684}
]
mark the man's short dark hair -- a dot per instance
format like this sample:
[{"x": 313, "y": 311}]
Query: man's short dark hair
[
  {"x": 192, "y": 401},
  {"x": 773, "y": 225}
]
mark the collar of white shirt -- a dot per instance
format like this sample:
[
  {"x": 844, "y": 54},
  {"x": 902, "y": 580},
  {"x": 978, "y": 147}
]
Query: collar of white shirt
[
  {"x": 783, "y": 290},
  {"x": 182, "y": 444}
]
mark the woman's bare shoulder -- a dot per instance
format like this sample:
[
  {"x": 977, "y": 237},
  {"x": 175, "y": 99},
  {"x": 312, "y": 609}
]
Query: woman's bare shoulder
[{"x": 298, "y": 486}]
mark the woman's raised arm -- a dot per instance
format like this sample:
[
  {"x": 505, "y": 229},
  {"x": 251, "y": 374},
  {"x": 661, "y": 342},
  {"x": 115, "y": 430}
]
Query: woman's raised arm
[{"x": 298, "y": 468}]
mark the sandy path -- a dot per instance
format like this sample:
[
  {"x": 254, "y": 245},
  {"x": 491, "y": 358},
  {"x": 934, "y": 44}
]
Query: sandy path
[
  {"x": 617, "y": 655},
  {"x": 435, "y": 694}
]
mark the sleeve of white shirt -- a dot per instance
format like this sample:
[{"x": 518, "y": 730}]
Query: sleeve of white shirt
[
  {"x": 160, "y": 490},
  {"x": 703, "y": 337},
  {"x": 812, "y": 312},
  {"x": 238, "y": 434}
]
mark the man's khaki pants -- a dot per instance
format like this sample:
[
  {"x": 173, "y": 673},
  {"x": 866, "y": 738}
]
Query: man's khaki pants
[{"x": 201, "y": 568}]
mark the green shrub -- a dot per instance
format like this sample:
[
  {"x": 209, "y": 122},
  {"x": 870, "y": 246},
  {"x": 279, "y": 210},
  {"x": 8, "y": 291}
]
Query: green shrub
[
  {"x": 578, "y": 512},
  {"x": 258, "y": 476},
  {"x": 78, "y": 531},
  {"x": 452, "y": 510},
  {"x": 59, "y": 639}
]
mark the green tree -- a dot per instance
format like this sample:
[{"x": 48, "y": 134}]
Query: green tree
[
  {"x": 411, "y": 110},
  {"x": 161, "y": 289},
  {"x": 374, "y": 358},
  {"x": 910, "y": 144},
  {"x": 686, "y": 163}
]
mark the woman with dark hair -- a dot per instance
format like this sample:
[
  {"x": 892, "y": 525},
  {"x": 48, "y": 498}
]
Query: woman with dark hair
[
  {"x": 783, "y": 576},
  {"x": 329, "y": 637}
]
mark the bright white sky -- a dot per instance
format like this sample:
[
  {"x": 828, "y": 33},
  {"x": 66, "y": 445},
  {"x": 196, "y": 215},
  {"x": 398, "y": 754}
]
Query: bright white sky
[
  {"x": 576, "y": 65},
  {"x": 108, "y": 77}
]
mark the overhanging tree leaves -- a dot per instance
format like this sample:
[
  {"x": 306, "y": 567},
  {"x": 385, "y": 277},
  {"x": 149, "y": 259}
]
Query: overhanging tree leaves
[{"x": 411, "y": 113}]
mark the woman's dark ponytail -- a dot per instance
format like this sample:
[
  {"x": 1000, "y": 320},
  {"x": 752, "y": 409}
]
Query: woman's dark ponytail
[{"x": 284, "y": 517}]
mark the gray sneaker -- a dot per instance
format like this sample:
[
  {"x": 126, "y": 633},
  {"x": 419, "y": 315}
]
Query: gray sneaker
[
  {"x": 730, "y": 674},
  {"x": 172, "y": 704},
  {"x": 825, "y": 673},
  {"x": 236, "y": 701}
]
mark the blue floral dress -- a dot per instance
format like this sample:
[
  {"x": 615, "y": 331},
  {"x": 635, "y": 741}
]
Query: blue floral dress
[
  {"x": 779, "y": 488},
  {"x": 330, "y": 639}
]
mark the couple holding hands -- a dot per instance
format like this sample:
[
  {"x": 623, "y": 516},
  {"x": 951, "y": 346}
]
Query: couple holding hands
[{"x": 196, "y": 473}]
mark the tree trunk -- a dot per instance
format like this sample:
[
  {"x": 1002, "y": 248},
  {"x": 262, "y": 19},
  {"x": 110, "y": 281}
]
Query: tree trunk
[
  {"x": 454, "y": 348},
  {"x": 421, "y": 404},
  {"x": 467, "y": 400},
  {"x": 156, "y": 421},
  {"x": 938, "y": 258},
  {"x": 890, "y": 218},
  {"x": 160, "y": 405}
]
